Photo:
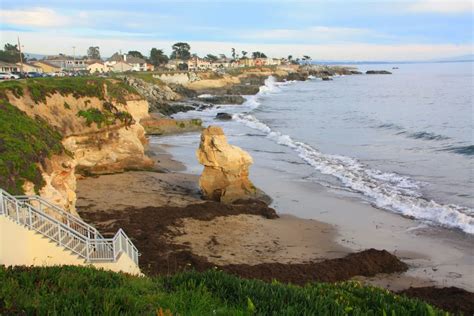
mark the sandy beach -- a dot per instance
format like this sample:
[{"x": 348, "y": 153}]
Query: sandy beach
[{"x": 434, "y": 256}]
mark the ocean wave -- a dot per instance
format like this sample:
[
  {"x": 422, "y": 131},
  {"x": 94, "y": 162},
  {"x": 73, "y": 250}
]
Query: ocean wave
[
  {"x": 427, "y": 136},
  {"x": 462, "y": 150},
  {"x": 415, "y": 135},
  {"x": 386, "y": 190}
]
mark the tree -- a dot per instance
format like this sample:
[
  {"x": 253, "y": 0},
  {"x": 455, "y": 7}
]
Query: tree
[
  {"x": 211, "y": 58},
  {"x": 233, "y": 53},
  {"x": 93, "y": 52},
  {"x": 258, "y": 55},
  {"x": 136, "y": 53},
  {"x": 244, "y": 54},
  {"x": 181, "y": 51},
  {"x": 183, "y": 66},
  {"x": 306, "y": 59},
  {"x": 11, "y": 54},
  {"x": 157, "y": 57},
  {"x": 290, "y": 57},
  {"x": 222, "y": 56}
]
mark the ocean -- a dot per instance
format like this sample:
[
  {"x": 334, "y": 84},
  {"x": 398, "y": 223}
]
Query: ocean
[{"x": 402, "y": 142}]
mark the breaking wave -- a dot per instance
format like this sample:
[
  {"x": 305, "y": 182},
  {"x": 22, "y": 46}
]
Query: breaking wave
[{"x": 390, "y": 191}]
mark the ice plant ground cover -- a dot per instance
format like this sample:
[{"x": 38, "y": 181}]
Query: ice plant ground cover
[{"x": 72, "y": 290}]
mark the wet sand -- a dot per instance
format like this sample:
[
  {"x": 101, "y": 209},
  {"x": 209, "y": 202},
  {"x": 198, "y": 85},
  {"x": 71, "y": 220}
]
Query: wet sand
[
  {"x": 435, "y": 256},
  {"x": 251, "y": 239}
]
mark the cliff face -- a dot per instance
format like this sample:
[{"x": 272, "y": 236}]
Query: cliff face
[
  {"x": 226, "y": 168},
  {"x": 99, "y": 135}
]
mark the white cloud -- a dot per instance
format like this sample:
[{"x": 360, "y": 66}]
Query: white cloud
[
  {"x": 62, "y": 42},
  {"x": 442, "y": 6},
  {"x": 37, "y": 17}
]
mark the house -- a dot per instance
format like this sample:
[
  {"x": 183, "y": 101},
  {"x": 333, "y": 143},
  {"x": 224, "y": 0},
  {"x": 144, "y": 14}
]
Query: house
[
  {"x": 67, "y": 63},
  {"x": 46, "y": 67},
  {"x": 150, "y": 67},
  {"x": 27, "y": 67},
  {"x": 259, "y": 62},
  {"x": 137, "y": 63},
  {"x": 119, "y": 66},
  {"x": 174, "y": 64},
  {"x": 196, "y": 63},
  {"x": 7, "y": 67},
  {"x": 97, "y": 67}
]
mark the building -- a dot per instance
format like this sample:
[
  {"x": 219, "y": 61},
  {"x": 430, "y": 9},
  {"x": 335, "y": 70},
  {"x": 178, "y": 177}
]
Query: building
[
  {"x": 7, "y": 67},
  {"x": 67, "y": 63},
  {"x": 137, "y": 63},
  {"x": 173, "y": 64},
  {"x": 97, "y": 67},
  {"x": 119, "y": 66},
  {"x": 46, "y": 67},
  {"x": 150, "y": 67},
  {"x": 27, "y": 67},
  {"x": 196, "y": 63}
]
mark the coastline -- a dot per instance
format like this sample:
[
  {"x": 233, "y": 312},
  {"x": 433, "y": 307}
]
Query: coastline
[
  {"x": 292, "y": 238},
  {"x": 436, "y": 256}
]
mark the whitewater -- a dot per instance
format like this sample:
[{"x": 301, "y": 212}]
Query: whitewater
[
  {"x": 389, "y": 191},
  {"x": 393, "y": 157}
]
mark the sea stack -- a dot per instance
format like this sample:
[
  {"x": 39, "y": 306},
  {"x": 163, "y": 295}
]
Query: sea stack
[{"x": 226, "y": 168}]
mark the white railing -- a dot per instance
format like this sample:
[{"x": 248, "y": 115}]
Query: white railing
[{"x": 67, "y": 230}]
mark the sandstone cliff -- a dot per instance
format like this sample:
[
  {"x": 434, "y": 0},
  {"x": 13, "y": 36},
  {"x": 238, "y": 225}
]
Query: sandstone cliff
[
  {"x": 226, "y": 168},
  {"x": 101, "y": 133}
]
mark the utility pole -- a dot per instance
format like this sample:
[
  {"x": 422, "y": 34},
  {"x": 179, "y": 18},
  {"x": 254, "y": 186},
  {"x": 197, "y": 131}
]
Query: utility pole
[
  {"x": 122, "y": 60},
  {"x": 21, "y": 57},
  {"x": 74, "y": 59}
]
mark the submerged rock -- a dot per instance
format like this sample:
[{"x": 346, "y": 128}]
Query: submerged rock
[
  {"x": 226, "y": 168},
  {"x": 223, "y": 99},
  {"x": 326, "y": 78},
  {"x": 223, "y": 116},
  {"x": 378, "y": 72}
]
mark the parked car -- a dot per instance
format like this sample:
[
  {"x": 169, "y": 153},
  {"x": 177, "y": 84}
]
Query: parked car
[
  {"x": 8, "y": 75},
  {"x": 34, "y": 74}
]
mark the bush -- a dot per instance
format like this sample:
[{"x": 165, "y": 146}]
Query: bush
[{"x": 87, "y": 291}]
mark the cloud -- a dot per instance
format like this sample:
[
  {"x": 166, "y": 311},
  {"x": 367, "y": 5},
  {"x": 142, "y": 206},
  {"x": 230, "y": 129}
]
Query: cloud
[
  {"x": 311, "y": 34},
  {"x": 36, "y": 17},
  {"x": 442, "y": 6},
  {"x": 34, "y": 43}
]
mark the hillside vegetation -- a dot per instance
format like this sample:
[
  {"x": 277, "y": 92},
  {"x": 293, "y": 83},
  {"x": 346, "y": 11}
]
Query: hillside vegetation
[
  {"x": 87, "y": 291},
  {"x": 40, "y": 88},
  {"x": 25, "y": 143}
]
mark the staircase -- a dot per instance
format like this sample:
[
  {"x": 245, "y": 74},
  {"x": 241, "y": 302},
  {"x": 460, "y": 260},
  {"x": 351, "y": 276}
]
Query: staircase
[{"x": 65, "y": 229}]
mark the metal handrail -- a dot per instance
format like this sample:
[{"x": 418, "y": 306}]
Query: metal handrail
[
  {"x": 67, "y": 218},
  {"x": 86, "y": 242}
]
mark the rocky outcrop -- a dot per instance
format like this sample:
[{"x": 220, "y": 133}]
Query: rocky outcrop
[
  {"x": 378, "y": 72},
  {"x": 157, "y": 95},
  {"x": 223, "y": 116},
  {"x": 226, "y": 168},
  {"x": 99, "y": 134},
  {"x": 168, "y": 126},
  {"x": 222, "y": 99}
]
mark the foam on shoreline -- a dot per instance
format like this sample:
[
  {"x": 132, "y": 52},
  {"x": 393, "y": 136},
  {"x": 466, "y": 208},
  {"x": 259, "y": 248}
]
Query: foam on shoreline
[{"x": 389, "y": 191}]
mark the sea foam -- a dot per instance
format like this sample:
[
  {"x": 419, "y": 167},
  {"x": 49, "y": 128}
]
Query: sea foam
[{"x": 386, "y": 190}]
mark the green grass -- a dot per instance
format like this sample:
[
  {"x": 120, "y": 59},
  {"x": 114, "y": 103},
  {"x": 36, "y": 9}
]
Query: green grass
[
  {"x": 24, "y": 143},
  {"x": 147, "y": 77},
  {"x": 40, "y": 88},
  {"x": 86, "y": 291}
]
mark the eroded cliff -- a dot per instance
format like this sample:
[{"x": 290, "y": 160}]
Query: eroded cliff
[{"x": 99, "y": 126}]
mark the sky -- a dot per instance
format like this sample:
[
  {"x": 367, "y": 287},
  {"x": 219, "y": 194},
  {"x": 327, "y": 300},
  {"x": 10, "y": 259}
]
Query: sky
[{"x": 396, "y": 30}]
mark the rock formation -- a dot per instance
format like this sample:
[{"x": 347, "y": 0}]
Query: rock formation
[{"x": 226, "y": 168}]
